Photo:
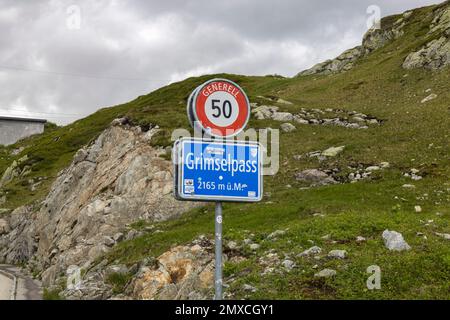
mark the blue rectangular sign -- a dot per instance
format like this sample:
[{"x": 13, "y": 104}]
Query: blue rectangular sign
[{"x": 218, "y": 171}]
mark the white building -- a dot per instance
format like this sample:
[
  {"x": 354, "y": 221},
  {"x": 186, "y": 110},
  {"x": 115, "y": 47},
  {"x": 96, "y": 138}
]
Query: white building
[{"x": 13, "y": 129}]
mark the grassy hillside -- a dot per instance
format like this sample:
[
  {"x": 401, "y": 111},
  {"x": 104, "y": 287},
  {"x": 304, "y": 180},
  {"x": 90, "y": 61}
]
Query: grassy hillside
[{"x": 412, "y": 135}]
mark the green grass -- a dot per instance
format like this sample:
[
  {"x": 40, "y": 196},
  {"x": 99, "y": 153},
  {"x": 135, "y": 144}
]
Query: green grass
[
  {"x": 51, "y": 295},
  {"x": 413, "y": 135},
  {"x": 118, "y": 281},
  {"x": 362, "y": 209}
]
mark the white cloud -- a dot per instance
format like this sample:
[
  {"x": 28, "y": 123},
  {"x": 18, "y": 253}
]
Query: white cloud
[{"x": 127, "y": 48}]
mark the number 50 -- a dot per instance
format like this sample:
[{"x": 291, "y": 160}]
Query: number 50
[{"x": 226, "y": 109}]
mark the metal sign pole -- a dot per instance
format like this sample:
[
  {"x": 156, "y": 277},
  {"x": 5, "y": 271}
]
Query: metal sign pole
[{"x": 218, "y": 263}]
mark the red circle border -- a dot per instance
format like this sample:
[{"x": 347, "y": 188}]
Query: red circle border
[{"x": 243, "y": 103}]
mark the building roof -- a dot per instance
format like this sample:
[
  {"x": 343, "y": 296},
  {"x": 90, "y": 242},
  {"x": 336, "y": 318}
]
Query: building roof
[{"x": 23, "y": 119}]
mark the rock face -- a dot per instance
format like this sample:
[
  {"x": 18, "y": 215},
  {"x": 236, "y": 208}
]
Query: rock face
[
  {"x": 184, "y": 272},
  {"x": 117, "y": 180},
  {"x": 4, "y": 226},
  {"x": 433, "y": 55},
  {"x": 394, "y": 241},
  {"x": 16, "y": 169},
  {"x": 342, "y": 63},
  {"x": 372, "y": 40},
  {"x": 436, "y": 53}
]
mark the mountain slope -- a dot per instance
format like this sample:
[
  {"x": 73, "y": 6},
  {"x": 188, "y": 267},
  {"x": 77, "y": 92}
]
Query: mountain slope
[{"x": 407, "y": 132}]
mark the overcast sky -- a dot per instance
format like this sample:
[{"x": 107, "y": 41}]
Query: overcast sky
[{"x": 62, "y": 60}]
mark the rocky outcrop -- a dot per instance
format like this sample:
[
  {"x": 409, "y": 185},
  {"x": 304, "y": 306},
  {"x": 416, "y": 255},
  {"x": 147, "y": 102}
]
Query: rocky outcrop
[
  {"x": 326, "y": 117},
  {"x": 441, "y": 21},
  {"x": 373, "y": 39},
  {"x": 436, "y": 53},
  {"x": 184, "y": 272},
  {"x": 343, "y": 62},
  {"x": 117, "y": 180},
  {"x": 16, "y": 169},
  {"x": 19, "y": 240}
]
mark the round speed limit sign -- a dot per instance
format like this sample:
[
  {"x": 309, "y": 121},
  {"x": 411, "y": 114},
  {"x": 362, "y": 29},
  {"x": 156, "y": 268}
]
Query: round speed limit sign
[{"x": 219, "y": 107}]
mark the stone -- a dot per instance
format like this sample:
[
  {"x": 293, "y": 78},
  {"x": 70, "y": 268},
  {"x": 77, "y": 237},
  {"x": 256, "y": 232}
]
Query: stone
[
  {"x": 281, "y": 101},
  {"x": 343, "y": 62},
  {"x": 97, "y": 251},
  {"x": 358, "y": 119},
  {"x": 276, "y": 234},
  {"x": 179, "y": 273},
  {"x": 300, "y": 120},
  {"x": 314, "y": 177},
  {"x": 429, "y": 98},
  {"x": 394, "y": 241},
  {"x": 338, "y": 254},
  {"x": 116, "y": 269},
  {"x": 133, "y": 234},
  {"x": 287, "y": 127},
  {"x": 311, "y": 251},
  {"x": 4, "y": 227},
  {"x": 116, "y": 180},
  {"x": 247, "y": 287},
  {"x": 196, "y": 248},
  {"x": 408, "y": 186},
  {"x": 333, "y": 151},
  {"x": 81, "y": 155},
  {"x": 434, "y": 55},
  {"x": 325, "y": 273},
  {"x": 232, "y": 245},
  {"x": 443, "y": 235},
  {"x": 264, "y": 112},
  {"x": 373, "y": 168},
  {"x": 353, "y": 126},
  {"x": 119, "y": 122},
  {"x": 10, "y": 173},
  {"x": 418, "y": 209},
  {"x": 282, "y": 116},
  {"x": 16, "y": 152},
  {"x": 118, "y": 237},
  {"x": 254, "y": 246},
  {"x": 360, "y": 239},
  {"x": 288, "y": 264}
]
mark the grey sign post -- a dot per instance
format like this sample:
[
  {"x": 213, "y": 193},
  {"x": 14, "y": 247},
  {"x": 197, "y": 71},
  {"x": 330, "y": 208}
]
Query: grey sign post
[{"x": 218, "y": 242}]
